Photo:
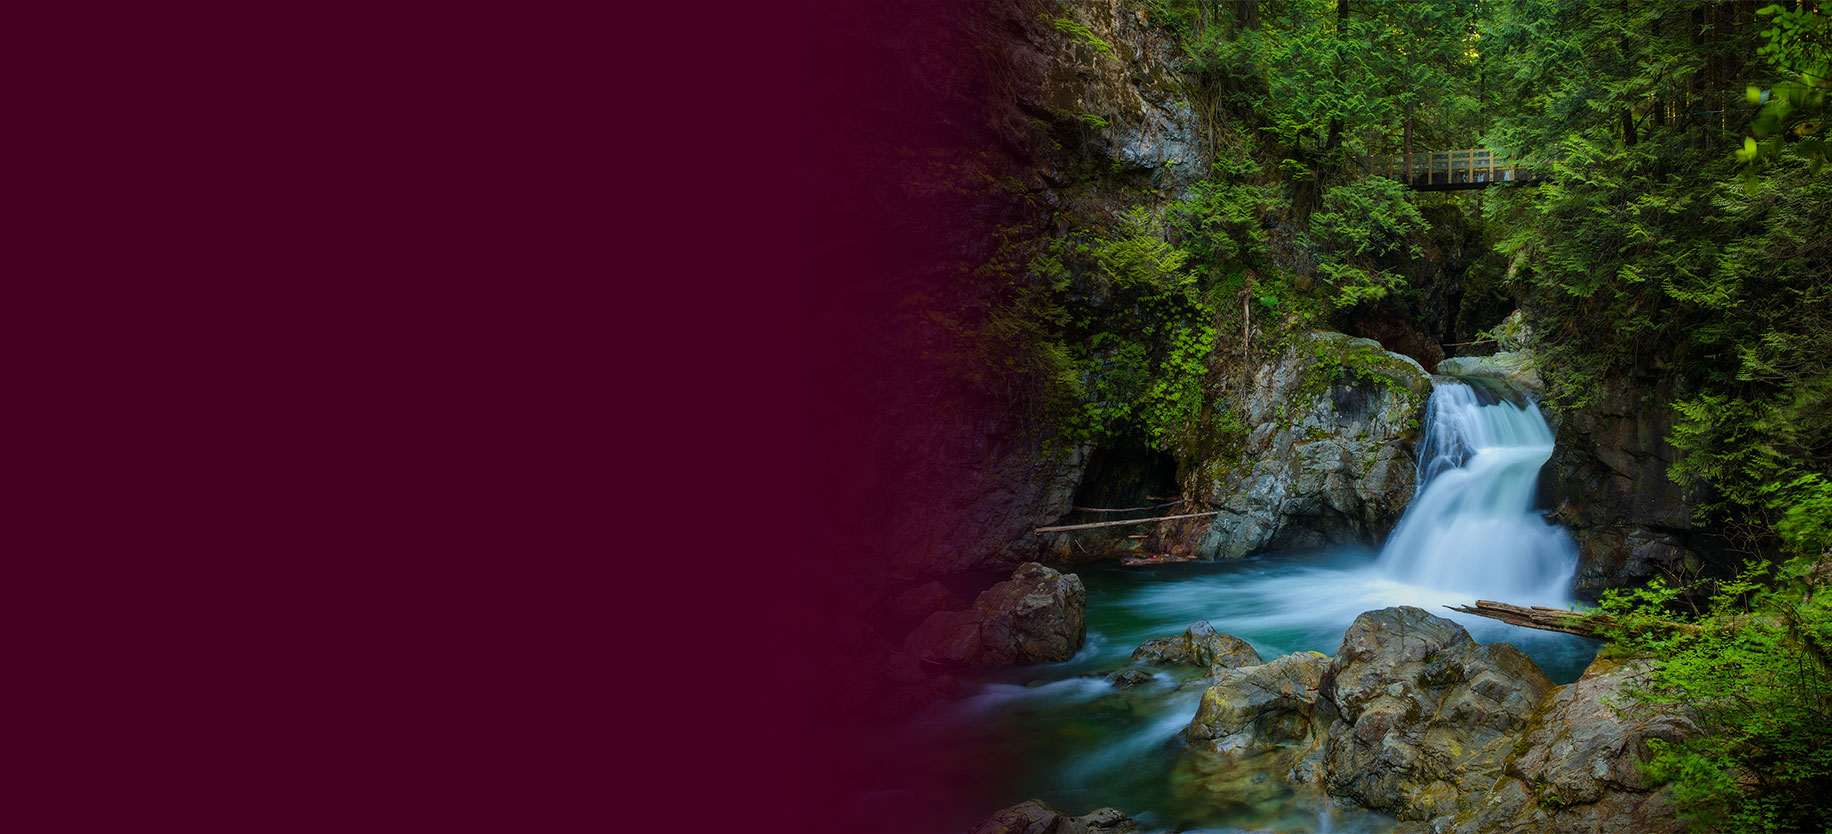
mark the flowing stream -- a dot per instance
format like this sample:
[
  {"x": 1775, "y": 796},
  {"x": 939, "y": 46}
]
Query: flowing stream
[{"x": 1064, "y": 734}]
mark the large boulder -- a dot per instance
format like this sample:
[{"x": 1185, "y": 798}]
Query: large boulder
[
  {"x": 1038, "y": 616},
  {"x": 1035, "y": 817},
  {"x": 1199, "y": 645},
  {"x": 1423, "y": 714},
  {"x": 1257, "y": 738},
  {"x": 1255, "y": 709},
  {"x": 1328, "y": 458}
]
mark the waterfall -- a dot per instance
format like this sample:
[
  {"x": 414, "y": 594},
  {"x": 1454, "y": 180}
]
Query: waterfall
[{"x": 1471, "y": 526}]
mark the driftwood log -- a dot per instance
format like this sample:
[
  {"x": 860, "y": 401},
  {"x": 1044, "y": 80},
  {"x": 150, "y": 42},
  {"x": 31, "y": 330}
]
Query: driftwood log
[
  {"x": 1558, "y": 619},
  {"x": 1540, "y": 617}
]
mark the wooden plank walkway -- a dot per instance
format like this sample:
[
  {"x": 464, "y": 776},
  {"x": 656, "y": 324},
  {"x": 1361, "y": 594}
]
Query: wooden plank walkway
[{"x": 1449, "y": 170}]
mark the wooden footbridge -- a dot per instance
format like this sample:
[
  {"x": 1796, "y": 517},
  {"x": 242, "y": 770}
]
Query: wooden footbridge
[{"x": 1450, "y": 170}]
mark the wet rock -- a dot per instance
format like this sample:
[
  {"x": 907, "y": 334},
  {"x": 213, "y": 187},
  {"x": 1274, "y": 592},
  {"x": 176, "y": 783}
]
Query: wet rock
[
  {"x": 1199, "y": 645},
  {"x": 1035, "y": 817},
  {"x": 1514, "y": 333},
  {"x": 1125, "y": 678},
  {"x": 1163, "y": 651},
  {"x": 1038, "y": 616},
  {"x": 1329, "y": 457},
  {"x": 1578, "y": 766},
  {"x": 1423, "y": 714},
  {"x": 1415, "y": 719},
  {"x": 1513, "y": 367},
  {"x": 1253, "y": 709}
]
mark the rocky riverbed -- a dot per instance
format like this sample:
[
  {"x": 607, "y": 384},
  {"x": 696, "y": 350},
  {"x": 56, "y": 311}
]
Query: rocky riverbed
[{"x": 1411, "y": 719}]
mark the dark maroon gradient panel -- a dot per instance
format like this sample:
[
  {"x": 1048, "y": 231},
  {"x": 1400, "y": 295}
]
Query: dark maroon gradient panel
[
  {"x": 471, "y": 415},
  {"x": 861, "y": 248}
]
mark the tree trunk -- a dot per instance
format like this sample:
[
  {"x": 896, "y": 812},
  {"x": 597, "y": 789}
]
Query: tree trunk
[
  {"x": 1246, "y": 318},
  {"x": 1342, "y": 28},
  {"x": 1246, "y": 13},
  {"x": 1408, "y": 145}
]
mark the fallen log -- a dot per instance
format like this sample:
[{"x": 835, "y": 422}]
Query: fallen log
[
  {"x": 1540, "y": 617},
  {"x": 1041, "y": 530},
  {"x": 1590, "y": 625}
]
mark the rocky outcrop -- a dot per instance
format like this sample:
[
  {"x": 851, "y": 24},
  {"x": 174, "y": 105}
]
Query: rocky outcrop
[
  {"x": 1329, "y": 457},
  {"x": 1413, "y": 718},
  {"x": 1575, "y": 769},
  {"x": 1038, "y": 616},
  {"x": 1130, "y": 677},
  {"x": 1115, "y": 84},
  {"x": 1199, "y": 645},
  {"x": 1035, "y": 817},
  {"x": 1423, "y": 715},
  {"x": 1513, "y": 367}
]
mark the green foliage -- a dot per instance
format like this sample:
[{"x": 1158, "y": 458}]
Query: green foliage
[
  {"x": 1226, "y": 220},
  {"x": 1752, "y": 673},
  {"x": 1652, "y": 252},
  {"x": 1648, "y": 247},
  {"x": 1806, "y": 521},
  {"x": 1800, "y": 47},
  {"x": 1142, "y": 335},
  {"x": 1017, "y": 352},
  {"x": 1080, "y": 33},
  {"x": 1367, "y": 218},
  {"x": 1359, "y": 223}
]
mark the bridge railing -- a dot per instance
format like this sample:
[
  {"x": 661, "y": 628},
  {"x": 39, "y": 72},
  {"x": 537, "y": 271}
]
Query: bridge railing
[{"x": 1470, "y": 168}]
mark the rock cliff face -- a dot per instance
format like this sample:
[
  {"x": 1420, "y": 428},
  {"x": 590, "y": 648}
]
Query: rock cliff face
[
  {"x": 1413, "y": 718},
  {"x": 1001, "y": 121},
  {"x": 1329, "y": 458},
  {"x": 1607, "y": 482}
]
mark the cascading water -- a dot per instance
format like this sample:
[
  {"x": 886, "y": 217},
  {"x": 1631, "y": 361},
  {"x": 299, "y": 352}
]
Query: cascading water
[{"x": 1471, "y": 526}]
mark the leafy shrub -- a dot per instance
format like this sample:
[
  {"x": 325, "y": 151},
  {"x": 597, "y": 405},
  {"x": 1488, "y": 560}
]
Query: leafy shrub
[{"x": 1755, "y": 674}]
